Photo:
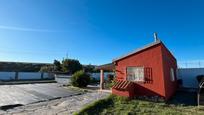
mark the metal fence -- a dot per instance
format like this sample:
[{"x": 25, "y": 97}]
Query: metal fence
[
  {"x": 188, "y": 70},
  {"x": 188, "y": 76},
  {"x": 191, "y": 64}
]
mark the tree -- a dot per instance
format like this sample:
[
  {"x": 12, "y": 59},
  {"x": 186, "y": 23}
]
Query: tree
[
  {"x": 21, "y": 67},
  {"x": 57, "y": 65},
  {"x": 47, "y": 69},
  {"x": 71, "y": 66},
  {"x": 89, "y": 68}
]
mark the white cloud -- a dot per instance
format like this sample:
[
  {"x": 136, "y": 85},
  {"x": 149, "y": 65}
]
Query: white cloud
[{"x": 24, "y": 29}]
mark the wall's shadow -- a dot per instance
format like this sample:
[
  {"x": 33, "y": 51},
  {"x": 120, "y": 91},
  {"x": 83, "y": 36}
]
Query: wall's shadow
[{"x": 180, "y": 97}]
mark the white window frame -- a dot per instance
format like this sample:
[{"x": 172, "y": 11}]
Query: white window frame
[
  {"x": 172, "y": 74},
  {"x": 136, "y": 75}
]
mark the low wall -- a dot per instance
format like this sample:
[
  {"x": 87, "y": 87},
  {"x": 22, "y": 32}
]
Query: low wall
[
  {"x": 7, "y": 75},
  {"x": 188, "y": 76},
  {"x": 29, "y": 75},
  {"x": 25, "y": 76},
  {"x": 48, "y": 75},
  {"x": 97, "y": 75},
  {"x": 66, "y": 79},
  {"x": 63, "y": 79}
]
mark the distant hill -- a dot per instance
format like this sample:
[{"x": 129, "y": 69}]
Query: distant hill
[{"x": 21, "y": 66}]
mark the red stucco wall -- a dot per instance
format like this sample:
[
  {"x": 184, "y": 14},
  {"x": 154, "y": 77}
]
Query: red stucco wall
[
  {"x": 169, "y": 62},
  {"x": 157, "y": 62},
  {"x": 151, "y": 59}
]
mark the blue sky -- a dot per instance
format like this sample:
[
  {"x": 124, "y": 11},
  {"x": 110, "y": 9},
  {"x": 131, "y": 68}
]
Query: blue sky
[{"x": 96, "y": 31}]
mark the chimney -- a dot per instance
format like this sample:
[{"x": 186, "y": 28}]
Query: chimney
[{"x": 155, "y": 37}]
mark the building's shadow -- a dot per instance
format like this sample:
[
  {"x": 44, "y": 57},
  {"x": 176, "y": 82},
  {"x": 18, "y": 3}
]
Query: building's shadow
[{"x": 184, "y": 98}]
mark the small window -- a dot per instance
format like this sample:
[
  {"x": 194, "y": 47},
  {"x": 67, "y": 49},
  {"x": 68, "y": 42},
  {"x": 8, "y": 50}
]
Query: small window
[
  {"x": 135, "y": 73},
  {"x": 172, "y": 74}
]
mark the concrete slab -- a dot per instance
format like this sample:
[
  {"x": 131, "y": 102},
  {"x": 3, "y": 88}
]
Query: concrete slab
[{"x": 31, "y": 93}]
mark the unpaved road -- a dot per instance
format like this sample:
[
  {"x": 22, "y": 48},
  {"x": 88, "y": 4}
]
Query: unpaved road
[{"x": 32, "y": 93}]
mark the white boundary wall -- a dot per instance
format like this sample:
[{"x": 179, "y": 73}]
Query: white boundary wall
[
  {"x": 24, "y": 75},
  {"x": 63, "y": 79},
  {"x": 7, "y": 75},
  {"x": 188, "y": 76},
  {"x": 29, "y": 75},
  {"x": 97, "y": 75}
]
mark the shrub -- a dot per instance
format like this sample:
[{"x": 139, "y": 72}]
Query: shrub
[
  {"x": 47, "y": 69},
  {"x": 200, "y": 78},
  {"x": 94, "y": 80},
  {"x": 80, "y": 79},
  {"x": 109, "y": 84},
  {"x": 110, "y": 77}
]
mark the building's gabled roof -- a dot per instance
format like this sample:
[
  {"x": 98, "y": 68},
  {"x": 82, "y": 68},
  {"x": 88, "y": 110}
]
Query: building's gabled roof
[
  {"x": 138, "y": 50},
  {"x": 109, "y": 66}
]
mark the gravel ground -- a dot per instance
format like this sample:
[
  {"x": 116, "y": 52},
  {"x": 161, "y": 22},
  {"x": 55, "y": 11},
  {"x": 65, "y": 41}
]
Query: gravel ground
[{"x": 63, "y": 106}]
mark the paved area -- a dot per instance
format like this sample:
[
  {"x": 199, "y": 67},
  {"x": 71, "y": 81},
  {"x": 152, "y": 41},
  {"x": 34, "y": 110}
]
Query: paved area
[
  {"x": 63, "y": 106},
  {"x": 32, "y": 93}
]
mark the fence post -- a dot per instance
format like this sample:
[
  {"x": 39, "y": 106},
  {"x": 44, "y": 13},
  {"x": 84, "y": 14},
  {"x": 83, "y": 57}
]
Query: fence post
[
  {"x": 42, "y": 74},
  {"x": 16, "y": 76}
]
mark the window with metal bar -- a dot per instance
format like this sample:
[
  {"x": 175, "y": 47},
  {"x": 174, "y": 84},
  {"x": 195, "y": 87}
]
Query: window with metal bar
[{"x": 135, "y": 74}]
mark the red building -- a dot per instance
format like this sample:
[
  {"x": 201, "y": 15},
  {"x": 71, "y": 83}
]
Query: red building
[{"x": 148, "y": 71}]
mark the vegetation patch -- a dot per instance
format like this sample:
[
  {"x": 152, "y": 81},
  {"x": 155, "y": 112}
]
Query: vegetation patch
[
  {"x": 77, "y": 89},
  {"x": 96, "y": 107},
  {"x": 115, "y": 105},
  {"x": 80, "y": 79}
]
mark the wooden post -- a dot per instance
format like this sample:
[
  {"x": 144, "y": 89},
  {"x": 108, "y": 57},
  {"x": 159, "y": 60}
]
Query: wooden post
[{"x": 102, "y": 80}]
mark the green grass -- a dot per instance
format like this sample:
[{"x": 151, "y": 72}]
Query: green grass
[
  {"x": 115, "y": 105},
  {"x": 78, "y": 89}
]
